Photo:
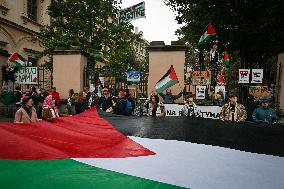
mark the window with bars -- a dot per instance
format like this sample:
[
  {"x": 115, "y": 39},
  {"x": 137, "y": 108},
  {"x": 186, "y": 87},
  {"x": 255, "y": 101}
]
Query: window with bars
[{"x": 32, "y": 10}]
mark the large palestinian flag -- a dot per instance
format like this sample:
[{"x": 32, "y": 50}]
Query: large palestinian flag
[
  {"x": 160, "y": 153},
  {"x": 168, "y": 80},
  {"x": 17, "y": 59}
]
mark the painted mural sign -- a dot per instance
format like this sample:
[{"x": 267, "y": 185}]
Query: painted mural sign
[{"x": 27, "y": 75}]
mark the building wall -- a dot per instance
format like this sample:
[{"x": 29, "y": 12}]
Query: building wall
[{"x": 17, "y": 32}]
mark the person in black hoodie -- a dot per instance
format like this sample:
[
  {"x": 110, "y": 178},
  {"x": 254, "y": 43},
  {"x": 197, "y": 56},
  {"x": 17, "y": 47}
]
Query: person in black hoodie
[
  {"x": 120, "y": 104},
  {"x": 105, "y": 101},
  {"x": 41, "y": 96}
]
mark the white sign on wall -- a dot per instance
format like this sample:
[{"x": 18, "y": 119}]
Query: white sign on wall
[
  {"x": 27, "y": 75},
  {"x": 220, "y": 88},
  {"x": 211, "y": 112},
  {"x": 257, "y": 75},
  {"x": 200, "y": 92},
  {"x": 244, "y": 75}
]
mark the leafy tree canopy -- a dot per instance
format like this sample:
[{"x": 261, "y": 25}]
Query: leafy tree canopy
[
  {"x": 89, "y": 25},
  {"x": 252, "y": 26}
]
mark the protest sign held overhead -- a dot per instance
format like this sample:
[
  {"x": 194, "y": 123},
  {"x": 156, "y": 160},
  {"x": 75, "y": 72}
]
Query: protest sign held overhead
[{"x": 132, "y": 13}]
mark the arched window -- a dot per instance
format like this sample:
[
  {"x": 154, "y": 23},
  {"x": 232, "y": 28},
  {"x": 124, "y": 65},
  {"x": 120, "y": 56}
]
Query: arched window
[{"x": 32, "y": 10}]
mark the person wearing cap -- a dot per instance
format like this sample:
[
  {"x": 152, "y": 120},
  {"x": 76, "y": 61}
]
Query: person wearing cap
[
  {"x": 233, "y": 111},
  {"x": 264, "y": 113},
  {"x": 105, "y": 101},
  {"x": 190, "y": 109},
  {"x": 27, "y": 113}
]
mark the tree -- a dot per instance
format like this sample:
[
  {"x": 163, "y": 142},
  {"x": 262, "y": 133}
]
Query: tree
[
  {"x": 89, "y": 25},
  {"x": 250, "y": 27}
]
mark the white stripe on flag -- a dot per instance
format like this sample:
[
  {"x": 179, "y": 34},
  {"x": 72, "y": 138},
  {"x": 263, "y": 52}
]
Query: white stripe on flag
[
  {"x": 198, "y": 166},
  {"x": 163, "y": 82}
]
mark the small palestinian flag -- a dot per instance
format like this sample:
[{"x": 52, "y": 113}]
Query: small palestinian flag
[
  {"x": 207, "y": 35},
  {"x": 226, "y": 59},
  {"x": 168, "y": 80},
  {"x": 17, "y": 59}
]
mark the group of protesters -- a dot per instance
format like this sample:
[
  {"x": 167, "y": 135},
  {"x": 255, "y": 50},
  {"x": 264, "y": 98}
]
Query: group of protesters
[
  {"x": 230, "y": 111},
  {"x": 32, "y": 105}
]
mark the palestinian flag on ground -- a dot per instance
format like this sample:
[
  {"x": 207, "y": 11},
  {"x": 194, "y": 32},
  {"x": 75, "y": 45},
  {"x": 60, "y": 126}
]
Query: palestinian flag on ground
[
  {"x": 17, "y": 59},
  {"x": 103, "y": 158},
  {"x": 226, "y": 59},
  {"x": 207, "y": 35},
  {"x": 168, "y": 80}
]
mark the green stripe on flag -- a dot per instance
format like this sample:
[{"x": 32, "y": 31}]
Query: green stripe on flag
[
  {"x": 69, "y": 174},
  {"x": 165, "y": 86}
]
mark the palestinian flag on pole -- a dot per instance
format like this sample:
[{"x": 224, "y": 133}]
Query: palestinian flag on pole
[
  {"x": 207, "y": 35},
  {"x": 226, "y": 59},
  {"x": 103, "y": 158},
  {"x": 168, "y": 80},
  {"x": 17, "y": 59}
]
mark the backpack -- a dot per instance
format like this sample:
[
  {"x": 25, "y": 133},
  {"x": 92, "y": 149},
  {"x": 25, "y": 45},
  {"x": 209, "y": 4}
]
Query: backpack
[{"x": 128, "y": 107}]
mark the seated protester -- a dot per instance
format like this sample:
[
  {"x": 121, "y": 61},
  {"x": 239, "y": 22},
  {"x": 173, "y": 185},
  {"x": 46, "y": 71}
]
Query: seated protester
[
  {"x": 27, "y": 113},
  {"x": 105, "y": 102},
  {"x": 264, "y": 113},
  {"x": 219, "y": 99},
  {"x": 156, "y": 108},
  {"x": 233, "y": 111},
  {"x": 250, "y": 106},
  {"x": 79, "y": 102},
  {"x": 120, "y": 106},
  {"x": 190, "y": 109},
  {"x": 146, "y": 103},
  {"x": 130, "y": 98},
  {"x": 169, "y": 98},
  {"x": 50, "y": 110}
]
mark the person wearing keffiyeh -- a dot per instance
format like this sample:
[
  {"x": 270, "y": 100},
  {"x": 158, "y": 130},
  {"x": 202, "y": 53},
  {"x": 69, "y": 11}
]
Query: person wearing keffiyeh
[{"x": 50, "y": 110}]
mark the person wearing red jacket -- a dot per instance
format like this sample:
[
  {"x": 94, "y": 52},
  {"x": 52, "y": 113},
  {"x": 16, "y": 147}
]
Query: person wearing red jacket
[{"x": 55, "y": 95}]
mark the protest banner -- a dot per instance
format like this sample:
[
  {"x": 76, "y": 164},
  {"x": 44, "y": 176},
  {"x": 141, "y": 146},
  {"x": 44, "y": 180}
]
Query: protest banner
[
  {"x": 257, "y": 75},
  {"x": 201, "y": 78},
  {"x": 210, "y": 112},
  {"x": 200, "y": 92},
  {"x": 27, "y": 75},
  {"x": 132, "y": 13},
  {"x": 259, "y": 91},
  {"x": 244, "y": 75}
]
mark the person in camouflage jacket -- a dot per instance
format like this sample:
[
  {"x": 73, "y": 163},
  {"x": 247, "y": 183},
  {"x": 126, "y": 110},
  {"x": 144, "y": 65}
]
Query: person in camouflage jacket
[{"x": 233, "y": 111}]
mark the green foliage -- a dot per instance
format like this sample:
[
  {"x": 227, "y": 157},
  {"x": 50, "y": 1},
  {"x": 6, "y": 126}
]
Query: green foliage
[{"x": 89, "y": 25}]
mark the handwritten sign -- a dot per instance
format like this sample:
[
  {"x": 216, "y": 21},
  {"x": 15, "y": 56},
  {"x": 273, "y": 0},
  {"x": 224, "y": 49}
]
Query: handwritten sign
[
  {"x": 244, "y": 75},
  {"x": 132, "y": 13},
  {"x": 200, "y": 92},
  {"x": 27, "y": 75},
  {"x": 201, "y": 78},
  {"x": 259, "y": 91},
  {"x": 257, "y": 75}
]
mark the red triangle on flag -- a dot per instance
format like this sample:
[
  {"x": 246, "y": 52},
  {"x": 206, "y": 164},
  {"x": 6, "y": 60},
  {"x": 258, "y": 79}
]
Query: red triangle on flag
[
  {"x": 210, "y": 29},
  {"x": 173, "y": 74}
]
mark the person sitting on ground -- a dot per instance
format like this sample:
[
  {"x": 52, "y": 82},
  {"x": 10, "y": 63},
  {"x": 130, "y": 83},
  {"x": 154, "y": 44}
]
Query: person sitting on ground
[
  {"x": 233, "y": 111},
  {"x": 156, "y": 108},
  {"x": 250, "y": 106},
  {"x": 219, "y": 99},
  {"x": 27, "y": 113},
  {"x": 50, "y": 111},
  {"x": 190, "y": 109},
  {"x": 264, "y": 113},
  {"x": 79, "y": 102},
  {"x": 169, "y": 98},
  {"x": 105, "y": 101}
]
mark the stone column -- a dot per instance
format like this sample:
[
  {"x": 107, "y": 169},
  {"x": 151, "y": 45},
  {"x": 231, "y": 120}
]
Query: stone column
[
  {"x": 68, "y": 71},
  {"x": 161, "y": 57},
  {"x": 281, "y": 80}
]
